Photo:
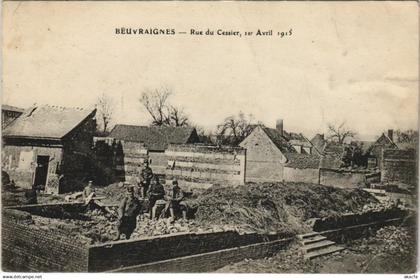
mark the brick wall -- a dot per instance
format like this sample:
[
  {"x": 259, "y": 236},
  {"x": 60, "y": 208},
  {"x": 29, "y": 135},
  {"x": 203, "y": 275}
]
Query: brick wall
[
  {"x": 301, "y": 175},
  {"x": 30, "y": 247},
  {"x": 212, "y": 261},
  {"x": 399, "y": 166},
  {"x": 264, "y": 161},
  {"x": 25, "y": 247},
  {"x": 126, "y": 253},
  {"x": 201, "y": 166}
]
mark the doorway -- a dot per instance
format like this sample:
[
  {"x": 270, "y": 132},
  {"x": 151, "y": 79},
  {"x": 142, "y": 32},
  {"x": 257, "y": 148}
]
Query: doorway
[{"x": 41, "y": 171}]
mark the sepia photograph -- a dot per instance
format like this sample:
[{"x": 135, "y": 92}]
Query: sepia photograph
[{"x": 209, "y": 137}]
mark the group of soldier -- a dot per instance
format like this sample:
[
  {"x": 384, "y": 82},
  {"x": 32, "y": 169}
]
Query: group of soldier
[{"x": 146, "y": 190}]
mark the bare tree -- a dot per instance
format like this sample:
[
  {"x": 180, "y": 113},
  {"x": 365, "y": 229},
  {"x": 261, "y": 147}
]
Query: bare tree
[
  {"x": 408, "y": 136},
  {"x": 234, "y": 129},
  {"x": 162, "y": 113},
  {"x": 177, "y": 117},
  {"x": 155, "y": 102},
  {"x": 339, "y": 133},
  {"x": 104, "y": 112}
]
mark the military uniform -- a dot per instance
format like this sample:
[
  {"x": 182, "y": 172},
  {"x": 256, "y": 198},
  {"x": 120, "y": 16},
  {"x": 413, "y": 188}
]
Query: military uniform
[
  {"x": 156, "y": 192},
  {"x": 127, "y": 215},
  {"x": 146, "y": 176}
]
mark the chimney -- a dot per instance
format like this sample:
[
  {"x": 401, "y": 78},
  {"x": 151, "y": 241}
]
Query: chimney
[
  {"x": 279, "y": 126},
  {"x": 391, "y": 134}
]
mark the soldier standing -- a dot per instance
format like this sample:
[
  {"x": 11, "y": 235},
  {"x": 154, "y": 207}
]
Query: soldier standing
[
  {"x": 127, "y": 214},
  {"x": 146, "y": 178}
]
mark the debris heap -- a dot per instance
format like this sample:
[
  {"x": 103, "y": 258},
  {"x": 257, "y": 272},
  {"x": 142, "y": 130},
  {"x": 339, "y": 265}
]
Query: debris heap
[{"x": 277, "y": 207}]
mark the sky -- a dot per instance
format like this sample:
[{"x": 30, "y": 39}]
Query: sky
[{"x": 345, "y": 61}]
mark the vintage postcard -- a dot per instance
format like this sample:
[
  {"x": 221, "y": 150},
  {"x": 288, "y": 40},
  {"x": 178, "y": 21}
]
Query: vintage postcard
[{"x": 210, "y": 137}]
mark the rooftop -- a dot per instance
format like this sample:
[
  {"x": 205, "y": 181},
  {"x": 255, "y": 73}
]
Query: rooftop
[
  {"x": 12, "y": 108},
  {"x": 302, "y": 161},
  {"x": 49, "y": 122},
  {"x": 154, "y": 137}
]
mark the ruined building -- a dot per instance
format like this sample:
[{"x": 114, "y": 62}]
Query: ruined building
[{"x": 49, "y": 147}]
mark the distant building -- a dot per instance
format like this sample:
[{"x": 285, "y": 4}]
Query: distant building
[
  {"x": 49, "y": 147},
  {"x": 269, "y": 150},
  {"x": 319, "y": 143},
  {"x": 374, "y": 150},
  {"x": 8, "y": 114},
  {"x": 140, "y": 142}
]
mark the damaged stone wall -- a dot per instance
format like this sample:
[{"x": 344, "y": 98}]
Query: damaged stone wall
[
  {"x": 134, "y": 158},
  {"x": 199, "y": 166},
  {"x": 118, "y": 160},
  {"x": 399, "y": 166},
  {"x": 27, "y": 248}
]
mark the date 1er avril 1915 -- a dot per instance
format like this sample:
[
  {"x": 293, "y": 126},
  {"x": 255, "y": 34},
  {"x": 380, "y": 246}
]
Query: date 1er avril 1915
[{"x": 259, "y": 32}]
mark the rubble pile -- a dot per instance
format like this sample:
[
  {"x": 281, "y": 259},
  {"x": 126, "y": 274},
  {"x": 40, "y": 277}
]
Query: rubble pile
[
  {"x": 111, "y": 193},
  {"x": 100, "y": 226},
  {"x": 276, "y": 206},
  {"x": 263, "y": 208}
]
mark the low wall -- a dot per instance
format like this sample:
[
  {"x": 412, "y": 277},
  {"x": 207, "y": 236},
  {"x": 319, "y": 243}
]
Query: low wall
[
  {"x": 301, "y": 175},
  {"x": 212, "y": 261},
  {"x": 52, "y": 210},
  {"x": 345, "y": 234},
  {"x": 27, "y": 248},
  {"x": 347, "y": 220},
  {"x": 30, "y": 247},
  {"x": 399, "y": 166},
  {"x": 341, "y": 178},
  {"x": 201, "y": 166},
  {"x": 127, "y": 253}
]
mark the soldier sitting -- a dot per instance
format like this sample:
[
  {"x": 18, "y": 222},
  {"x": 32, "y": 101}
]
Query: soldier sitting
[
  {"x": 175, "y": 202},
  {"x": 156, "y": 192}
]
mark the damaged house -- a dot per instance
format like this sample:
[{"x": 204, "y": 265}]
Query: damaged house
[
  {"x": 373, "y": 150},
  {"x": 269, "y": 150},
  {"x": 49, "y": 147}
]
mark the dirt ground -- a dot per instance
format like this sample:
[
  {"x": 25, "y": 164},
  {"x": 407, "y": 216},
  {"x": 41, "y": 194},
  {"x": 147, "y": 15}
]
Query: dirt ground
[{"x": 390, "y": 250}]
